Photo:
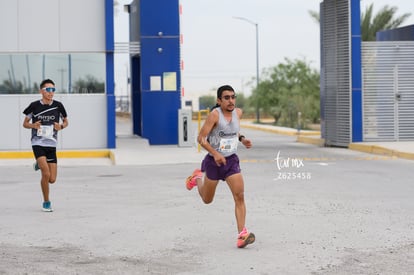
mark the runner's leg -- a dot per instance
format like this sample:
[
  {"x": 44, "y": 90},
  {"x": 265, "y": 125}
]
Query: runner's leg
[
  {"x": 207, "y": 189},
  {"x": 44, "y": 181},
  {"x": 236, "y": 185}
]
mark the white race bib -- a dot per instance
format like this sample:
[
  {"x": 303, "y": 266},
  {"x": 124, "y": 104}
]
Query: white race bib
[
  {"x": 45, "y": 131},
  {"x": 228, "y": 145}
]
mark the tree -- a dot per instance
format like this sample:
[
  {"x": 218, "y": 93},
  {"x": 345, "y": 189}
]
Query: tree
[
  {"x": 288, "y": 89},
  {"x": 315, "y": 16},
  {"x": 89, "y": 85},
  {"x": 17, "y": 87},
  {"x": 206, "y": 102},
  {"x": 383, "y": 20},
  {"x": 241, "y": 100}
]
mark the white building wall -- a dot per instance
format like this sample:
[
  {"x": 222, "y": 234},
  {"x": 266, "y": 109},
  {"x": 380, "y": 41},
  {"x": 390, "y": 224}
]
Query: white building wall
[
  {"x": 86, "y": 115},
  {"x": 52, "y": 26}
]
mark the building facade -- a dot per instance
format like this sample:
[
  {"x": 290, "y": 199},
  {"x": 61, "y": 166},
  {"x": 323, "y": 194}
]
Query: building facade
[{"x": 72, "y": 43}]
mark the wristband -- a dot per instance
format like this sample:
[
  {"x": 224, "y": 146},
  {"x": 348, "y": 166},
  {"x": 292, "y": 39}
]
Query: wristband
[{"x": 241, "y": 137}]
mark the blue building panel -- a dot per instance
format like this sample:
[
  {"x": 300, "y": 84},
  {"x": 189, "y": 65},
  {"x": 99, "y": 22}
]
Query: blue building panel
[
  {"x": 161, "y": 117},
  {"x": 357, "y": 119},
  {"x": 110, "y": 74},
  {"x": 159, "y": 16},
  {"x": 399, "y": 34},
  {"x": 157, "y": 57},
  {"x": 156, "y": 73}
]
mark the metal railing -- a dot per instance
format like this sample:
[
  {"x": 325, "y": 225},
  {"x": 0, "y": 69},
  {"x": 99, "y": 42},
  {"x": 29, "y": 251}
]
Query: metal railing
[
  {"x": 122, "y": 104},
  {"x": 128, "y": 47},
  {"x": 388, "y": 90}
]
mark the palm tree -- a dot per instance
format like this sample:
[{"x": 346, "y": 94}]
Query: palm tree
[
  {"x": 315, "y": 16},
  {"x": 383, "y": 20},
  {"x": 370, "y": 25}
]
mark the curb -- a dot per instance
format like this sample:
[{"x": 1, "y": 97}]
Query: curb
[
  {"x": 281, "y": 130},
  {"x": 311, "y": 140},
  {"x": 378, "y": 150},
  {"x": 308, "y": 137},
  {"x": 60, "y": 154}
]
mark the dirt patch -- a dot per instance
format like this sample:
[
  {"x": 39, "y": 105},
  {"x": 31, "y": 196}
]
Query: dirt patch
[
  {"x": 399, "y": 260},
  {"x": 72, "y": 260}
]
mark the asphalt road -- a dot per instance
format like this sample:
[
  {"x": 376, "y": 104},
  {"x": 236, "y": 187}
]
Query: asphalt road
[{"x": 313, "y": 210}]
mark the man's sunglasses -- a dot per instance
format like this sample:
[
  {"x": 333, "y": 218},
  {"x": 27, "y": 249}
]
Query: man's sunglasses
[
  {"x": 227, "y": 97},
  {"x": 49, "y": 89}
]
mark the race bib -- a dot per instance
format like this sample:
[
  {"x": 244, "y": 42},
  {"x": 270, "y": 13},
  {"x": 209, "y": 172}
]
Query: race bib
[
  {"x": 45, "y": 131},
  {"x": 229, "y": 145}
]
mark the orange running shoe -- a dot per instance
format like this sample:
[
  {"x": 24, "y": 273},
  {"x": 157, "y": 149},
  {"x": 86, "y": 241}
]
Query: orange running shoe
[
  {"x": 191, "y": 181},
  {"x": 245, "y": 238}
]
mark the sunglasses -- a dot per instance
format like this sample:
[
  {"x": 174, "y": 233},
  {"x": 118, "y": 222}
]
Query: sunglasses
[
  {"x": 227, "y": 97},
  {"x": 49, "y": 89}
]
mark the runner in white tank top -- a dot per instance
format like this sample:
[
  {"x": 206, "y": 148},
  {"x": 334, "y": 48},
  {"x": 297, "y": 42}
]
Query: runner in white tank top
[{"x": 220, "y": 136}]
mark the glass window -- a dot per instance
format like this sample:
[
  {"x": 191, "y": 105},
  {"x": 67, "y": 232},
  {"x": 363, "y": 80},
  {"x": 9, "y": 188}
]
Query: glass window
[{"x": 72, "y": 73}]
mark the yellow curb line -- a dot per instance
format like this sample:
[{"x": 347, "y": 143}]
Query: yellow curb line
[
  {"x": 16, "y": 155},
  {"x": 404, "y": 155},
  {"x": 360, "y": 147},
  {"x": 311, "y": 140},
  {"x": 281, "y": 131},
  {"x": 60, "y": 154},
  {"x": 378, "y": 150}
]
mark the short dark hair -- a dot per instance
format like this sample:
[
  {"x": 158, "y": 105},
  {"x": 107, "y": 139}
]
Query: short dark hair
[
  {"x": 46, "y": 81},
  {"x": 223, "y": 88},
  {"x": 220, "y": 91}
]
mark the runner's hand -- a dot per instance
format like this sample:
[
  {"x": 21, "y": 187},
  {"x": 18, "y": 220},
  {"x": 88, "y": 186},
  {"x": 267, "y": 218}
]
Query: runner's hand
[
  {"x": 37, "y": 124},
  {"x": 247, "y": 143},
  {"x": 219, "y": 159}
]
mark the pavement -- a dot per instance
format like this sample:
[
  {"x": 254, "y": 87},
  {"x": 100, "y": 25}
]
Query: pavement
[
  {"x": 114, "y": 217},
  {"x": 398, "y": 149},
  {"x": 134, "y": 150}
]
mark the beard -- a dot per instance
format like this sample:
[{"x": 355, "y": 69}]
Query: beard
[{"x": 230, "y": 108}]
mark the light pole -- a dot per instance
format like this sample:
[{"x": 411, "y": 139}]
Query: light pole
[{"x": 257, "y": 59}]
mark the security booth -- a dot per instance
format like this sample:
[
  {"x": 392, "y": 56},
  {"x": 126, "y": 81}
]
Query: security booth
[
  {"x": 185, "y": 129},
  {"x": 155, "y": 70}
]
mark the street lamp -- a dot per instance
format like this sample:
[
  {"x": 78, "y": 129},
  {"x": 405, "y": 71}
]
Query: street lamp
[{"x": 257, "y": 58}]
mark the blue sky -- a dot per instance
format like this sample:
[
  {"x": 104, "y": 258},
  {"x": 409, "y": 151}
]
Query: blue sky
[{"x": 219, "y": 49}]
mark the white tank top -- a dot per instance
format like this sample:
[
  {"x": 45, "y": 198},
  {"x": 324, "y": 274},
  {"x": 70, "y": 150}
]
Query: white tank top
[{"x": 224, "y": 138}]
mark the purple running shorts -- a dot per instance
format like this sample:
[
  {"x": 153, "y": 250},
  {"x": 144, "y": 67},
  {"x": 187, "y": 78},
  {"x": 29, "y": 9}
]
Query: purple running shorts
[{"x": 214, "y": 172}]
